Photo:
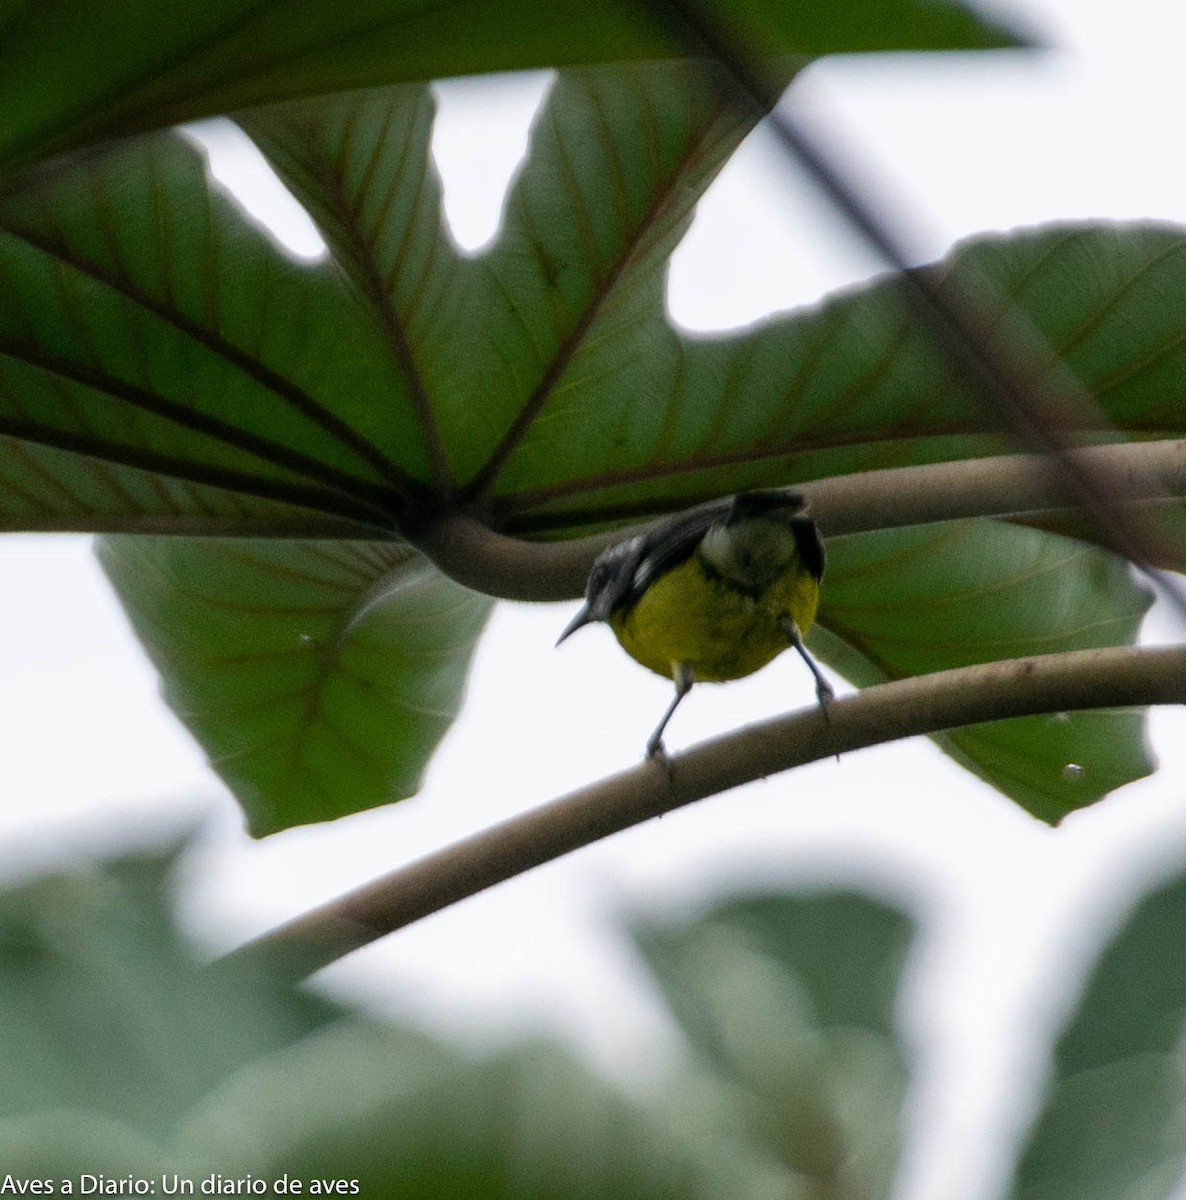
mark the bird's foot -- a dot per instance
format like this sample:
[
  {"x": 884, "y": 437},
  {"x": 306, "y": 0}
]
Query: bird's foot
[
  {"x": 657, "y": 754},
  {"x": 824, "y": 696}
]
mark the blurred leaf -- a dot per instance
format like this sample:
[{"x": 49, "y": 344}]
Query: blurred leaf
[
  {"x": 74, "y": 72},
  {"x": 104, "y": 1012},
  {"x": 125, "y": 1055},
  {"x": 67, "y": 1144},
  {"x": 790, "y": 999},
  {"x": 318, "y": 676},
  {"x": 909, "y": 601},
  {"x": 528, "y": 1124},
  {"x": 1113, "y": 1126}
]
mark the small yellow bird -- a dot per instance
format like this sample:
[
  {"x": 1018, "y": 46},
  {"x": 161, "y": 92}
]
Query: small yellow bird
[{"x": 713, "y": 593}]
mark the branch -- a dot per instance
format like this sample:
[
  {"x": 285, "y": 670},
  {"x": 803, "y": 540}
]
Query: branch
[
  {"x": 1121, "y": 677},
  {"x": 1006, "y": 486}
]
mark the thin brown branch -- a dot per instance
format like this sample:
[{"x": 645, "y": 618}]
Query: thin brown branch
[
  {"x": 1007, "y": 486},
  {"x": 1108, "y": 678}
]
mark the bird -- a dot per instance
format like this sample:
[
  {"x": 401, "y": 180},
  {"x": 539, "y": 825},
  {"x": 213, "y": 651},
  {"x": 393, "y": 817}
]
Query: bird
[{"x": 713, "y": 593}]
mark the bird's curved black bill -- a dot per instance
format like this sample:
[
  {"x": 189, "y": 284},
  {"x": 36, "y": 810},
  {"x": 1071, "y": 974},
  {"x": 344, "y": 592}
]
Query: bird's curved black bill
[{"x": 583, "y": 617}]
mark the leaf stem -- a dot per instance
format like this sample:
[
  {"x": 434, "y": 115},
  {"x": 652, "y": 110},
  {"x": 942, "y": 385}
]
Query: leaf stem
[
  {"x": 1115, "y": 677},
  {"x": 1013, "y": 486}
]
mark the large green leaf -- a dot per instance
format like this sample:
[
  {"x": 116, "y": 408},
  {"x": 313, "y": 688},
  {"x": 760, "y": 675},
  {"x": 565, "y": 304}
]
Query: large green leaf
[
  {"x": 909, "y": 601},
  {"x": 73, "y": 72},
  {"x": 1113, "y": 1125},
  {"x": 790, "y": 999},
  {"x": 855, "y": 383},
  {"x": 502, "y": 351},
  {"x": 191, "y": 379},
  {"x": 104, "y": 1012},
  {"x": 165, "y": 362},
  {"x": 593, "y": 408},
  {"x": 318, "y": 676},
  {"x": 202, "y": 357},
  {"x": 124, "y": 1054}
]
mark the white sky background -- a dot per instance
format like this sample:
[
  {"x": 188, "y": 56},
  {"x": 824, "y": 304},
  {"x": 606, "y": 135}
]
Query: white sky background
[{"x": 91, "y": 758}]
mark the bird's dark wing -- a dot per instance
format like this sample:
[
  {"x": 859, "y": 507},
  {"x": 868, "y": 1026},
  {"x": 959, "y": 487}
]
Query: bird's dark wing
[
  {"x": 811, "y": 545},
  {"x": 670, "y": 542},
  {"x": 626, "y": 569},
  {"x": 624, "y": 572}
]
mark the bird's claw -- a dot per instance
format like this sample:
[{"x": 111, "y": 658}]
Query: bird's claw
[
  {"x": 657, "y": 754},
  {"x": 824, "y": 695}
]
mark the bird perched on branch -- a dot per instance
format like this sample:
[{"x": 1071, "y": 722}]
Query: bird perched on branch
[{"x": 713, "y": 593}]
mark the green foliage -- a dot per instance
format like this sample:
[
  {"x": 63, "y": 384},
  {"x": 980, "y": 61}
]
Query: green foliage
[
  {"x": 790, "y": 1000},
  {"x": 318, "y": 675},
  {"x": 73, "y": 72},
  {"x": 165, "y": 369},
  {"x": 104, "y": 1012},
  {"x": 908, "y": 601},
  {"x": 180, "y": 350},
  {"x": 1113, "y": 1126},
  {"x": 125, "y": 1055}
]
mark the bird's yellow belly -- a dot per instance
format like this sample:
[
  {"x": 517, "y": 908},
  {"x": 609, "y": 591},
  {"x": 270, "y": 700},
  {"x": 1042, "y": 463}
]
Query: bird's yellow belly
[{"x": 689, "y": 617}]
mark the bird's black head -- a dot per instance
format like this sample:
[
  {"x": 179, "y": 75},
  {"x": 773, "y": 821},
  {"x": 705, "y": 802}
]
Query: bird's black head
[
  {"x": 609, "y": 583},
  {"x": 778, "y": 505}
]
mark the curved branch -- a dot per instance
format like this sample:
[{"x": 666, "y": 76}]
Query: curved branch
[
  {"x": 1012, "y": 485},
  {"x": 1108, "y": 678},
  {"x": 474, "y": 555},
  {"x": 1007, "y": 486}
]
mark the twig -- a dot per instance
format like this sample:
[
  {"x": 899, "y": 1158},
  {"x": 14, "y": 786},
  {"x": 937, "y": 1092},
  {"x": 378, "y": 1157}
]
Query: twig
[
  {"x": 1106, "y": 678},
  {"x": 1009, "y": 485}
]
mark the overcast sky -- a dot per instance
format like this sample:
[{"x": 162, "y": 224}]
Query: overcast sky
[{"x": 960, "y": 144}]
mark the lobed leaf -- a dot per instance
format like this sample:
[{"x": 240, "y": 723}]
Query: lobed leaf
[
  {"x": 910, "y": 601},
  {"x": 573, "y": 288},
  {"x": 147, "y": 332},
  {"x": 74, "y": 73},
  {"x": 318, "y": 676}
]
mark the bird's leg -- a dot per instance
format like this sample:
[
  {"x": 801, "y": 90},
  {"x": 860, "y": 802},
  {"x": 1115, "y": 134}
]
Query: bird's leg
[
  {"x": 683, "y": 677},
  {"x": 823, "y": 689}
]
